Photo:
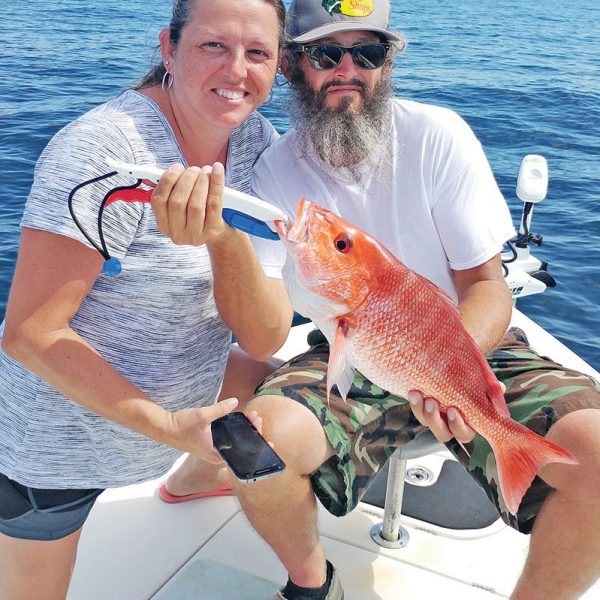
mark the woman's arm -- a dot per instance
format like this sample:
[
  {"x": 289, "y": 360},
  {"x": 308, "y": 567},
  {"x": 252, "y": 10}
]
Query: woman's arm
[
  {"x": 188, "y": 206},
  {"x": 53, "y": 276},
  {"x": 255, "y": 307}
]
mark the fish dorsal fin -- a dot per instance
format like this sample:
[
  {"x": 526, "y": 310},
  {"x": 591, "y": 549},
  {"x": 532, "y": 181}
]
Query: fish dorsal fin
[
  {"x": 438, "y": 291},
  {"x": 495, "y": 393},
  {"x": 339, "y": 372}
]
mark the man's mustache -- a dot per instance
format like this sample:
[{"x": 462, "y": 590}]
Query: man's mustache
[{"x": 353, "y": 82}]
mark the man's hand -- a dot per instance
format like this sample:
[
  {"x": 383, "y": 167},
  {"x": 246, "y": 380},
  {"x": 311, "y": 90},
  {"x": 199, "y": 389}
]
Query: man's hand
[{"x": 427, "y": 412}]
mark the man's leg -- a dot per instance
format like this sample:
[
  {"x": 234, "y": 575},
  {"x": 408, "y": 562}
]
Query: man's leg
[
  {"x": 242, "y": 376},
  {"x": 332, "y": 448},
  {"x": 564, "y": 554},
  {"x": 563, "y": 501},
  {"x": 283, "y": 509}
]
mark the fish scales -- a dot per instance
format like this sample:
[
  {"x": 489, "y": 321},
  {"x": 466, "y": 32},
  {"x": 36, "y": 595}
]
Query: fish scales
[{"x": 409, "y": 340}]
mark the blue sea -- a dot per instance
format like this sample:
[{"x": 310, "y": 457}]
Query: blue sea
[{"x": 525, "y": 76}]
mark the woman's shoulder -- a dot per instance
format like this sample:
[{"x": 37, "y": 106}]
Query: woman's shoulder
[
  {"x": 256, "y": 130},
  {"x": 124, "y": 127},
  {"x": 122, "y": 112},
  {"x": 248, "y": 141}
]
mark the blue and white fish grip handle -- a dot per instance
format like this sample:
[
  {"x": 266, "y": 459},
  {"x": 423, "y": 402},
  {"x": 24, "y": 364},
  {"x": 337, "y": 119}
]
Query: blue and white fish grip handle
[{"x": 240, "y": 210}]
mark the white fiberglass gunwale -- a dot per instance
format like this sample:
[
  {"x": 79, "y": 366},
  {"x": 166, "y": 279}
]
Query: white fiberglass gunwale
[{"x": 135, "y": 547}]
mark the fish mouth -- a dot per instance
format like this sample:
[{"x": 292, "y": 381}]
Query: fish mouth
[
  {"x": 282, "y": 228},
  {"x": 296, "y": 232}
]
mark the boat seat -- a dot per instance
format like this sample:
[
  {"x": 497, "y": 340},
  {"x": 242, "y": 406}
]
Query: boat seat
[{"x": 389, "y": 533}]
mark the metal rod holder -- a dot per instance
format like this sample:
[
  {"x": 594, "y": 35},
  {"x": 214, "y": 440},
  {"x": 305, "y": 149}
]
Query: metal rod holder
[{"x": 389, "y": 533}]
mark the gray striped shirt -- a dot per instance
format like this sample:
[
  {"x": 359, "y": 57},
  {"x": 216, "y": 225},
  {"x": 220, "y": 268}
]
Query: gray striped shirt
[{"x": 156, "y": 322}]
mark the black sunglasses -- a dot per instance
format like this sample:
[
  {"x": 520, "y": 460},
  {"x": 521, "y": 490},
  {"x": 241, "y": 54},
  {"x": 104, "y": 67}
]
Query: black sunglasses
[{"x": 328, "y": 56}]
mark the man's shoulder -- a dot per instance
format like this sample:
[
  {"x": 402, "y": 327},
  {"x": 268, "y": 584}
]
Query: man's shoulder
[
  {"x": 426, "y": 114},
  {"x": 430, "y": 122},
  {"x": 283, "y": 173},
  {"x": 284, "y": 151}
]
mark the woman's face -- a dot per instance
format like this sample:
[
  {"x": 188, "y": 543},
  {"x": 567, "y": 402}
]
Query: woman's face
[{"x": 225, "y": 62}]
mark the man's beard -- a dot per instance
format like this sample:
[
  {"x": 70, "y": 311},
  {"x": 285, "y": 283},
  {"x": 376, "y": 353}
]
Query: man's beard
[{"x": 341, "y": 136}]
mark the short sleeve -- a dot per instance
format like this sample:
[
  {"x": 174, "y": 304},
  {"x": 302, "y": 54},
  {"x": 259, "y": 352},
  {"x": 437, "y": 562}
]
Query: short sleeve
[
  {"x": 470, "y": 213},
  {"x": 77, "y": 154},
  {"x": 265, "y": 186}
]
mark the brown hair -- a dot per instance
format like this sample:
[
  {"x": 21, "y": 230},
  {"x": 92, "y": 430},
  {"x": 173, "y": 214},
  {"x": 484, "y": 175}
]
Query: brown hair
[{"x": 182, "y": 10}]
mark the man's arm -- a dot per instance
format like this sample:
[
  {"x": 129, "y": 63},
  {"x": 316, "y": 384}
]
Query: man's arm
[{"x": 484, "y": 302}]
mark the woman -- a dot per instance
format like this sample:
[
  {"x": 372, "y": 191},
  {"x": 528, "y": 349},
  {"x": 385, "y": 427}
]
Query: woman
[{"x": 104, "y": 381}]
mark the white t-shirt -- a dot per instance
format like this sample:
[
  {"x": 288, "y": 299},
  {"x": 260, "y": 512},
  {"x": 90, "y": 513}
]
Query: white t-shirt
[
  {"x": 156, "y": 322},
  {"x": 434, "y": 204}
]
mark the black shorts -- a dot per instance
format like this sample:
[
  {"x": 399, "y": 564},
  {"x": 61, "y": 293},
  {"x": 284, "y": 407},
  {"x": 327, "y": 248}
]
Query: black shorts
[{"x": 42, "y": 514}]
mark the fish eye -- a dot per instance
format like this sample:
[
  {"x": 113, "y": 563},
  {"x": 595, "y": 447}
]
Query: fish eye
[{"x": 343, "y": 243}]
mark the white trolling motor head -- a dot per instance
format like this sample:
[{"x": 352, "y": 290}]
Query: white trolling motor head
[{"x": 532, "y": 181}]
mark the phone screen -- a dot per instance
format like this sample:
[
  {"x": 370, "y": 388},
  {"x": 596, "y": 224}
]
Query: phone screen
[{"x": 246, "y": 452}]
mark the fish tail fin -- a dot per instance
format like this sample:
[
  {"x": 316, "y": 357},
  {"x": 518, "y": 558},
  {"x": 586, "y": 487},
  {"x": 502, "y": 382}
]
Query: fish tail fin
[{"x": 519, "y": 459}]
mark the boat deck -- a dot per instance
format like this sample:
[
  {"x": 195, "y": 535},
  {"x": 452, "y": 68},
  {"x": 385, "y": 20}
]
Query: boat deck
[{"x": 135, "y": 547}]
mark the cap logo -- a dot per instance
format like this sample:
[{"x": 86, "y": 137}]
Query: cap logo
[{"x": 349, "y": 8}]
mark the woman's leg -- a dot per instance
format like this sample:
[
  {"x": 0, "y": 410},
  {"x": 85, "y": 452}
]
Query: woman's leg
[
  {"x": 242, "y": 376},
  {"x": 37, "y": 569}
]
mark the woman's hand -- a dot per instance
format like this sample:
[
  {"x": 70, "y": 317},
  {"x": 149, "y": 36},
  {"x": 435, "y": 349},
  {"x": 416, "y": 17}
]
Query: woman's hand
[
  {"x": 427, "y": 412},
  {"x": 190, "y": 429},
  {"x": 188, "y": 204}
]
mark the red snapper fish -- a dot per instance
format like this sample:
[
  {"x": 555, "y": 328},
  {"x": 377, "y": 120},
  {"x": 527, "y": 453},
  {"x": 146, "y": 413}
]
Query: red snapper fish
[{"x": 403, "y": 333}]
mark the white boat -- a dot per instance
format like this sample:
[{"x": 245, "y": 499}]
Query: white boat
[{"x": 135, "y": 547}]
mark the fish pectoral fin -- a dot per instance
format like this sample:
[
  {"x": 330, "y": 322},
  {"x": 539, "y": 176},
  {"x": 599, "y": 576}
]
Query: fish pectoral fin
[
  {"x": 344, "y": 381},
  {"x": 339, "y": 372}
]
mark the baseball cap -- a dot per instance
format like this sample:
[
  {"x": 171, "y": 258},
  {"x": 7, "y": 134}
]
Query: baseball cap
[{"x": 308, "y": 20}]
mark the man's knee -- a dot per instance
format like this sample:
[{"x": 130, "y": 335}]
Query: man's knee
[
  {"x": 579, "y": 432},
  {"x": 295, "y": 431}
]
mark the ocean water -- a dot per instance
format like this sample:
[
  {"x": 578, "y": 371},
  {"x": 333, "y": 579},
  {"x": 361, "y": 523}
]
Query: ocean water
[{"x": 525, "y": 76}]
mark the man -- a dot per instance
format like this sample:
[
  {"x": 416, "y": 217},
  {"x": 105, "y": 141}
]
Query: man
[{"x": 416, "y": 178}]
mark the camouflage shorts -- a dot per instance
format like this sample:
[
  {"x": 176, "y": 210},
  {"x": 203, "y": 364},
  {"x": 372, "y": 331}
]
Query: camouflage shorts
[{"x": 365, "y": 430}]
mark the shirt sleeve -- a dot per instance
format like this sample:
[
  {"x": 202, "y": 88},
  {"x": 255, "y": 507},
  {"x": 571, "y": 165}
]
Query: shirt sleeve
[
  {"x": 265, "y": 185},
  {"x": 270, "y": 135},
  {"x": 469, "y": 211},
  {"x": 76, "y": 155}
]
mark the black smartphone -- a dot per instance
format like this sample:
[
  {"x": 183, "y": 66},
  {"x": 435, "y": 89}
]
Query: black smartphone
[{"x": 245, "y": 451}]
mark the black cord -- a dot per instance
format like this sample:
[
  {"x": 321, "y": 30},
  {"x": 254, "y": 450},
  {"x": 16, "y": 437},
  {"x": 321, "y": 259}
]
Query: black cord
[
  {"x": 526, "y": 211},
  {"x": 523, "y": 238},
  {"x": 513, "y": 250},
  {"x": 102, "y": 250},
  {"x": 506, "y": 261}
]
